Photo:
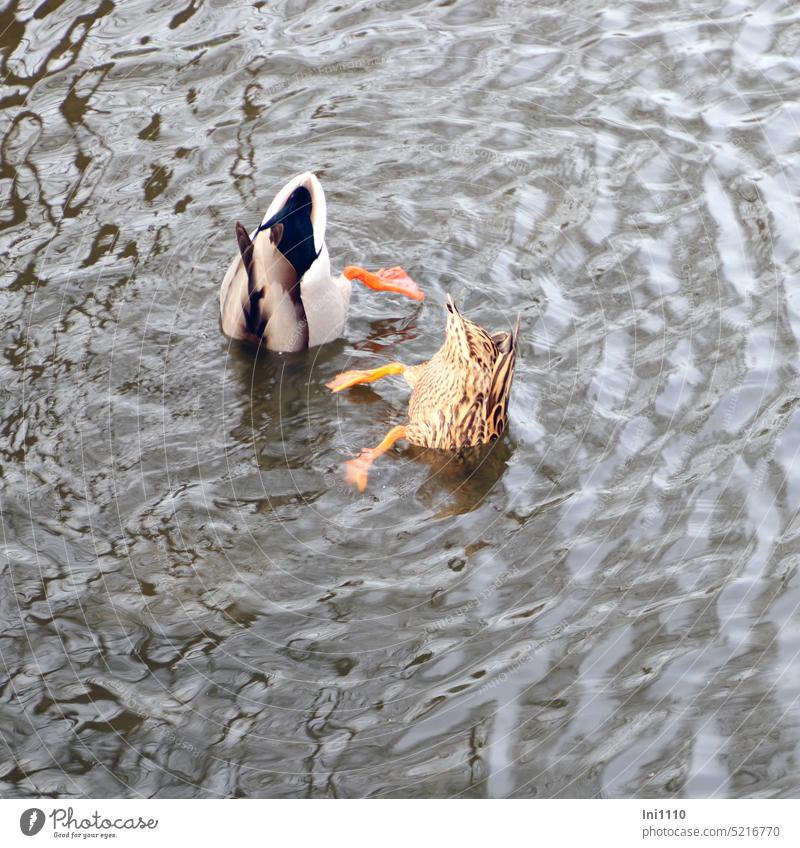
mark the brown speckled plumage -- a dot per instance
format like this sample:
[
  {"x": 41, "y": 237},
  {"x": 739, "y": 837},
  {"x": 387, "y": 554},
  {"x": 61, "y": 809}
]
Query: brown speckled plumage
[{"x": 460, "y": 395}]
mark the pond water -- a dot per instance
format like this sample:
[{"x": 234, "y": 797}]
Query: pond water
[{"x": 192, "y": 601}]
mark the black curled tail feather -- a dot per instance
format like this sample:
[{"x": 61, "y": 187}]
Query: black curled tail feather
[{"x": 252, "y": 313}]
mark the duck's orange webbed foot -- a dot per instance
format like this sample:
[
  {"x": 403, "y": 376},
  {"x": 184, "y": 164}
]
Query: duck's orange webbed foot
[
  {"x": 347, "y": 379},
  {"x": 357, "y": 470},
  {"x": 386, "y": 279}
]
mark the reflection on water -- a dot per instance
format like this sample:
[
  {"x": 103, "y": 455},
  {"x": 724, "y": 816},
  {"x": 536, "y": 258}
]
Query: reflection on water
[{"x": 194, "y": 604}]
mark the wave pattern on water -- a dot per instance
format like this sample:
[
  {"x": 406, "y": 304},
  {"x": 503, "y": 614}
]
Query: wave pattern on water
[{"x": 192, "y": 603}]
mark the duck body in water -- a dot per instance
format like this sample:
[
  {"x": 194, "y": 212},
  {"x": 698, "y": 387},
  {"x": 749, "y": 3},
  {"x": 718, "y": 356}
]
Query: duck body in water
[
  {"x": 459, "y": 397},
  {"x": 279, "y": 291}
]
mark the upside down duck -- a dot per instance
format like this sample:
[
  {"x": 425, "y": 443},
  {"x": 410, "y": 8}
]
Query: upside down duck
[
  {"x": 279, "y": 290},
  {"x": 459, "y": 397}
]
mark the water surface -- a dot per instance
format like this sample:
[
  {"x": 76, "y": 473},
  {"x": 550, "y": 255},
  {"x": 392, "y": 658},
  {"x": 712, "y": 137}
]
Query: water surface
[{"x": 194, "y": 604}]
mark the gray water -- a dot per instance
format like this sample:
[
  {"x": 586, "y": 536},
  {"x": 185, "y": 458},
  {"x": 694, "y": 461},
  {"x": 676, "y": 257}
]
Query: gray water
[{"x": 192, "y": 601}]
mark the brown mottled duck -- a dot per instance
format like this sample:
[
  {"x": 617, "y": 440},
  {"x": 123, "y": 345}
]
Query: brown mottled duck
[{"x": 459, "y": 397}]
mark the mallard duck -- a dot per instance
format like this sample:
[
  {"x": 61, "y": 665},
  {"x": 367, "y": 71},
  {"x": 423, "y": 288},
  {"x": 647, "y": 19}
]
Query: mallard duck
[
  {"x": 279, "y": 290},
  {"x": 459, "y": 397}
]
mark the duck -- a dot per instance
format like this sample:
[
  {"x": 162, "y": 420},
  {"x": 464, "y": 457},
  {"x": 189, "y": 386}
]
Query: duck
[
  {"x": 459, "y": 397},
  {"x": 279, "y": 291}
]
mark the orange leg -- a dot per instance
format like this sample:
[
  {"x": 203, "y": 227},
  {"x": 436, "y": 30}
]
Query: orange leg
[
  {"x": 358, "y": 468},
  {"x": 352, "y": 378}
]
